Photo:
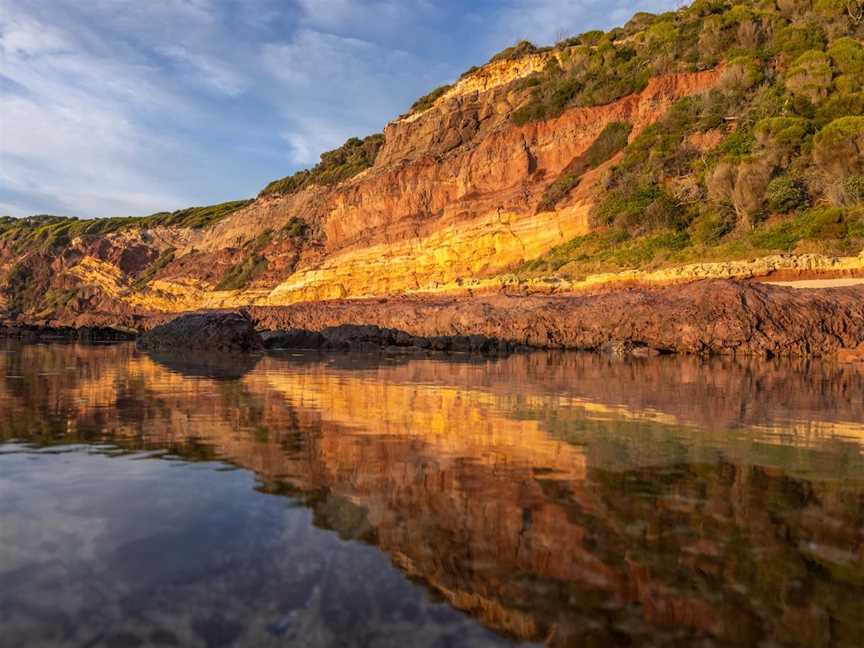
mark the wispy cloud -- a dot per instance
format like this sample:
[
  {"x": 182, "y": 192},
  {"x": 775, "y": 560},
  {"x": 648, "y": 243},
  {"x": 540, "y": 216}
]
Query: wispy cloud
[{"x": 126, "y": 107}]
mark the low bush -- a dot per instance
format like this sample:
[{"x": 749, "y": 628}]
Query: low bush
[
  {"x": 45, "y": 232},
  {"x": 354, "y": 156},
  {"x": 253, "y": 265},
  {"x": 785, "y": 194},
  {"x": 516, "y": 51},
  {"x": 611, "y": 140},
  {"x": 425, "y": 102},
  {"x": 296, "y": 227},
  {"x": 810, "y": 76}
]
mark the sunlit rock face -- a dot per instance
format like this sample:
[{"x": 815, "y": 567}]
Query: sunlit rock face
[
  {"x": 558, "y": 498},
  {"x": 452, "y": 198}
]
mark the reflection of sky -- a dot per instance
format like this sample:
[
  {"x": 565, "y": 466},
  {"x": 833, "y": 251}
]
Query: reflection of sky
[
  {"x": 93, "y": 547},
  {"x": 495, "y": 482}
]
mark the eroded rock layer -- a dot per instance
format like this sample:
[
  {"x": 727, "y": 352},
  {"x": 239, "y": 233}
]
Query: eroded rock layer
[
  {"x": 704, "y": 317},
  {"x": 452, "y": 198}
]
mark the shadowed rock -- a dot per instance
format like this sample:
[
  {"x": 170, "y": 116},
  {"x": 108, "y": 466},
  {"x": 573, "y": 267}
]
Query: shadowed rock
[
  {"x": 707, "y": 317},
  {"x": 204, "y": 332},
  {"x": 214, "y": 365},
  {"x": 35, "y": 333},
  {"x": 368, "y": 337}
]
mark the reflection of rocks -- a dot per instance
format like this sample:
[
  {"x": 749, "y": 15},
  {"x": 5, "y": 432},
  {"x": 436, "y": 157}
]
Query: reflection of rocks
[
  {"x": 215, "y": 365},
  {"x": 212, "y": 331},
  {"x": 562, "y": 498},
  {"x": 851, "y": 356}
]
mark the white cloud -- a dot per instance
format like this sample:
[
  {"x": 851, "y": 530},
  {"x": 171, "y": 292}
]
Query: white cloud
[
  {"x": 311, "y": 136},
  {"x": 71, "y": 136},
  {"x": 213, "y": 73},
  {"x": 122, "y": 106}
]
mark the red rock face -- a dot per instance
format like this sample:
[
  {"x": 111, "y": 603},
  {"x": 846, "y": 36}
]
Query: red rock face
[
  {"x": 722, "y": 317},
  {"x": 452, "y": 197}
]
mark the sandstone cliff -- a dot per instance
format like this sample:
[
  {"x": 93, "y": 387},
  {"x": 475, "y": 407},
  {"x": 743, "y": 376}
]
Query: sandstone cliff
[{"x": 511, "y": 179}]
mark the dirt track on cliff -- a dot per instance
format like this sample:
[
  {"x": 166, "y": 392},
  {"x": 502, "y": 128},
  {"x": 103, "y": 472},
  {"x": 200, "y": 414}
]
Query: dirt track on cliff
[{"x": 721, "y": 317}]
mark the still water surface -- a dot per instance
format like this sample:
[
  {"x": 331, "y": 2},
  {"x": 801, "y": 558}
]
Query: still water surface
[{"x": 363, "y": 500}]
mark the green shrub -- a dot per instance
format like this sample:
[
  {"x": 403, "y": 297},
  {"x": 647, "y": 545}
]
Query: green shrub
[
  {"x": 837, "y": 106},
  {"x": 239, "y": 276},
  {"x": 737, "y": 145},
  {"x": 520, "y": 49},
  {"x": 839, "y": 147},
  {"x": 296, "y": 227},
  {"x": 612, "y": 139},
  {"x": 853, "y": 187},
  {"x": 840, "y": 130},
  {"x": 340, "y": 164},
  {"x": 795, "y": 39},
  {"x": 255, "y": 263},
  {"x": 426, "y": 101},
  {"x": 45, "y": 232},
  {"x": 742, "y": 72},
  {"x": 848, "y": 57},
  {"x": 785, "y": 194},
  {"x": 817, "y": 224},
  {"x": 788, "y": 132},
  {"x": 810, "y": 76},
  {"x": 661, "y": 34},
  {"x": 710, "y": 228},
  {"x": 165, "y": 258}
]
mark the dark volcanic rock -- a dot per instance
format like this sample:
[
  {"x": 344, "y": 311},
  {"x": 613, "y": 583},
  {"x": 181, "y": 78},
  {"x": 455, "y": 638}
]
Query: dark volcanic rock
[
  {"x": 707, "y": 317},
  {"x": 292, "y": 339},
  {"x": 368, "y": 337},
  {"x": 204, "y": 332},
  {"x": 34, "y": 333}
]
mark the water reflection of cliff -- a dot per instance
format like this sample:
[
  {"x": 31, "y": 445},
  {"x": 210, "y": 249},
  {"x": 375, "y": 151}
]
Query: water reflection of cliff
[{"x": 563, "y": 498}]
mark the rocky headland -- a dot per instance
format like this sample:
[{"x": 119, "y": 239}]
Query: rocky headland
[{"x": 624, "y": 190}]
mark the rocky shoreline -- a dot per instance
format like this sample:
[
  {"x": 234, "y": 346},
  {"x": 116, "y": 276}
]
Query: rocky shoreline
[{"x": 720, "y": 317}]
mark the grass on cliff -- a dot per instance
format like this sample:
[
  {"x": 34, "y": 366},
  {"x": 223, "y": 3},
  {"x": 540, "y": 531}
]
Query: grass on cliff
[
  {"x": 165, "y": 258},
  {"x": 611, "y": 140},
  {"x": 820, "y": 230},
  {"x": 768, "y": 161},
  {"x": 340, "y": 164},
  {"x": 254, "y": 264},
  {"x": 47, "y": 232}
]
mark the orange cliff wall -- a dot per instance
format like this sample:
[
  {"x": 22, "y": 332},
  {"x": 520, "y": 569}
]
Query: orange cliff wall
[
  {"x": 445, "y": 201},
  {"x": 451, "y": 198}
]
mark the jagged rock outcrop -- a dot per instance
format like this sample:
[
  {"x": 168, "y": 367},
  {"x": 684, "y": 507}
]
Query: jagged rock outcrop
[
  {"x": 204, "y": 332},
  {"x": 718, "y": 317},
  {"x": 428, "y": 215}
]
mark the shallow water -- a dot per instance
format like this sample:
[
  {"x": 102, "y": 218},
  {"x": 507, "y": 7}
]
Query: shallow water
[{"x": 364, "y": 500}]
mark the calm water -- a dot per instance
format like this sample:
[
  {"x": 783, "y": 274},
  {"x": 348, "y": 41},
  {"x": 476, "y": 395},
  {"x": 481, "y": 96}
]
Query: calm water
[{"x": 371, "y": 501}]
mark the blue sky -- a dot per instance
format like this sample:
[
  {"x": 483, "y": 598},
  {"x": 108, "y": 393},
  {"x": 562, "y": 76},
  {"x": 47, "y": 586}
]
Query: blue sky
[{"x": 126, "y": 107}]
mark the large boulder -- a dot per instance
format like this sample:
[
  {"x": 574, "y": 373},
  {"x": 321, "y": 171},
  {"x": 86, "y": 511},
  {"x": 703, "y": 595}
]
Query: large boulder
[{"x": 204, "y": 332}]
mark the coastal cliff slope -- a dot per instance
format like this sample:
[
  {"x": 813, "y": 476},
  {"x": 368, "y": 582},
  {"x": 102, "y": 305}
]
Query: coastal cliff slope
[{"x": 716, "y": 141}]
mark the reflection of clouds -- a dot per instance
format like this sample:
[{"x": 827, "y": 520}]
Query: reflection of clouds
[
  {"x": 495, "y": 482},
  {"x": 98, "y": 548}
]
